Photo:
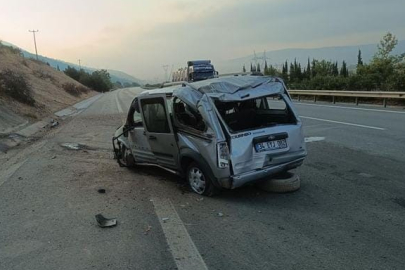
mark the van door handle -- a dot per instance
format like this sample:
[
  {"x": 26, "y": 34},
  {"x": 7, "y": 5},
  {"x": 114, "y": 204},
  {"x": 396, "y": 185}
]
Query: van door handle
[{"x": 152, "y": 137}]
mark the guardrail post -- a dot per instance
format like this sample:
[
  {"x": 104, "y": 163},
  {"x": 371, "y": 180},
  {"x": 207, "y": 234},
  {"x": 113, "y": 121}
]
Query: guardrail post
[
  {"x": 385, "y": 103},
  {"x": 299, "y": 98},
  {"x": 333, "y": 100},
  {"x": 315, "y": 99},
  {"x": 357, "y": 101}
]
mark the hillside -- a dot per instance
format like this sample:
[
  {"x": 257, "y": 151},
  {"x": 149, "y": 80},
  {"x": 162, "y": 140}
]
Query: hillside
[
  {"x": 278, "y": 57},
  {"x": 116, "y": 75},
  {"x": 31, "y": 90}
]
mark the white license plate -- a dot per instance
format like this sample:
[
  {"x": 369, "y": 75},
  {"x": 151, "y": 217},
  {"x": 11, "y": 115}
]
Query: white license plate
[{"x": 271, "y": 145}]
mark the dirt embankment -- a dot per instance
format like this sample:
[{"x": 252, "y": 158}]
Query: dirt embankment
[{"x": 31, "y": 90}]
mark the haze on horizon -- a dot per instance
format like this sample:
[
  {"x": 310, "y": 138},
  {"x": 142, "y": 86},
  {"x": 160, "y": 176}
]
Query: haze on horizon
[{"x": 138, "y": 37}]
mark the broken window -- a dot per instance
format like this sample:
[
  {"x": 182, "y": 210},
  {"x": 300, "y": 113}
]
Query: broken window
[
  {"x": 255, "y": 113},
  {"x": 187, "y": 116}
]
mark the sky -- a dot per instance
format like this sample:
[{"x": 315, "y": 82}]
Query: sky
[{"x": 139, "y": 37}]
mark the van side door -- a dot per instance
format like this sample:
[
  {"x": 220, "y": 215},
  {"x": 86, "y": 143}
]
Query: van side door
[{"x": 159, "y": 130}]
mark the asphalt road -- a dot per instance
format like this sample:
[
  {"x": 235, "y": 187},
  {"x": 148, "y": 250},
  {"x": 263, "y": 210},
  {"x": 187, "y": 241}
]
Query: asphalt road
[{"x": 348, "y": 214}]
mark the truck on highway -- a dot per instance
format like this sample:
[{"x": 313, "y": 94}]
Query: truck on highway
[{"x": 196, "y": 70}]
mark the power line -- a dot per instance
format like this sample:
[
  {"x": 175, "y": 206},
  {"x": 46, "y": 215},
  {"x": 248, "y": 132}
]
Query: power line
[{"x": 35, "y": 41}]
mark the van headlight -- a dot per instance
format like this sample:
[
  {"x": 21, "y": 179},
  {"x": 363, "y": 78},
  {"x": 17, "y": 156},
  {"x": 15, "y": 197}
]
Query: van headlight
[{"x": 223, "y": 155}]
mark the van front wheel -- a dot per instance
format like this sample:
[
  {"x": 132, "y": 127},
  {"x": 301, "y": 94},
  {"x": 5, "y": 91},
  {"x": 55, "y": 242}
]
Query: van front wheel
[{"x": 199, "y": 181}]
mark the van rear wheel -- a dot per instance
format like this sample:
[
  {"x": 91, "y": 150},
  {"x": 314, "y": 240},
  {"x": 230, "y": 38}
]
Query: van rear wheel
[{"x": 199, "y": 181}]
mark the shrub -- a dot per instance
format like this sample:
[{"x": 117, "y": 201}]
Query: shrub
[
  {"x": 74, "y": 90},
  {"x": 15, "y": 86},
  {"x": 39, "y": 73}
]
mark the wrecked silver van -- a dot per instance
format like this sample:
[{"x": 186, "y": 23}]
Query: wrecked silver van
[{"x": 218, "y": 133}]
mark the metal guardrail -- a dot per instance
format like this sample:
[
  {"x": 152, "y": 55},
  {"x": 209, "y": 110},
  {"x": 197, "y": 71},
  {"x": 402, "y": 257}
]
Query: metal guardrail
[{"x": 355, "y": 94}]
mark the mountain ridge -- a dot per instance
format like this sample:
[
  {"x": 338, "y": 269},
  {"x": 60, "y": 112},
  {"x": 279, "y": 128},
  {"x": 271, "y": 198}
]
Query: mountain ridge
[{"x": 333, "y": 53}]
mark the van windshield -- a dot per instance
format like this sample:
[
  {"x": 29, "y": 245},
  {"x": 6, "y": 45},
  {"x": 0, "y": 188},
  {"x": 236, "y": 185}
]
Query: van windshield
[{"x": 255, "y": 113}]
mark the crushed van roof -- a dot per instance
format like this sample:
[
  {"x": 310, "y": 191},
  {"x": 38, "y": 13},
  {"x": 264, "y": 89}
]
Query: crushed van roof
[{"x": 232, "y": 88}]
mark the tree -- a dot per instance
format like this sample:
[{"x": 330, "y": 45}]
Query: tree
[
  {"x": 244, "y": 69},
  {"x": 314, "y": 64},
  {"x": 266, "y": 68},
  {"x": 308, "y": 71},
  {"x": 284, "y": 72},
  {"x": 251, "y": 67},
  {"x": 258, "y": 67},
  {"x": 386, "y": 46},
  {"x": 57, "y": 67},
  {"x": 359, "y": 59},
  {"x": 343, "y": 70}
]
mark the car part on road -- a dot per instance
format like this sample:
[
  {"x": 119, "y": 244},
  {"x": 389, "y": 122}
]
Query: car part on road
[
  {"x": 101, "y": 190},
  {"x": 286, "y": 182},
  {"x": 105, "y": 222},
  {"x": 199, "y": 181},
  {"x": 75, "y": 146}
]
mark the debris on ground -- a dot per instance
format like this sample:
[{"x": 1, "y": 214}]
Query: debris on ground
[
  {"x": 54, "y": 123},
  {"x": 165, "y": 219},
  {"x": 101, "y": 190},
  {"x": 105, "y": 222},
  {"x": 53, "y": 157},
  {"x": 148, "y": 229},
  {"x": 220, "y": 214},
  {"x": 74, "y": 146},
  {"x": 199, "y": 199}
]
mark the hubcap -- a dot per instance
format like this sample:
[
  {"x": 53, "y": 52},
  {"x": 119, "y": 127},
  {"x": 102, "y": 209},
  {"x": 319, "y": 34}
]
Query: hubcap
[{"x": 197, "y": 180}]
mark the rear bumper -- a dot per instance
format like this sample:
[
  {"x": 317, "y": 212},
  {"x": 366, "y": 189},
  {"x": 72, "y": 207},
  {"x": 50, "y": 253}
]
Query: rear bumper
[{"x": 253, "y": 176}]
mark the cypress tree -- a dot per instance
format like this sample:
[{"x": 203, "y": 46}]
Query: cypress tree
[
  {"x": 359, "y": 59},
  {"x": 308, "y": 70},
  {"x": 244, "y": 69},
  {"x": 258, "y": 67},
  {"x": 251, "y": 67}
]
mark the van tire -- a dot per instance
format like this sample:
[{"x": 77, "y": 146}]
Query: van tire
[
  {"x": 283, "y": 183},
  {"x": 194, "y": 175}
]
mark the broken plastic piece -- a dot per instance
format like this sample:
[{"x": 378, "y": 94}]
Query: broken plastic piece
[{"x": 105, "y": 222}]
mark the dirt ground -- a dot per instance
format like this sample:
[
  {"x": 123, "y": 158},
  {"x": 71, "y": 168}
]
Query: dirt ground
[{"x": 46, "y": 85}]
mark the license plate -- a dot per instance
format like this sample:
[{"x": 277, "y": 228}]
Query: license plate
[{"x": 271, "y": 145}]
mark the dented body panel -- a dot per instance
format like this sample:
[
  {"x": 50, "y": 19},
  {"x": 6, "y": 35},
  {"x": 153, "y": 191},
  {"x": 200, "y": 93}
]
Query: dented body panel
[{"x": 222, "y": 105}]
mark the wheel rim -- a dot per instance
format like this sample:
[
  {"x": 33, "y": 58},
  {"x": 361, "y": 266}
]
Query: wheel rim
[
  {"x": 197, "y": 180},
  {"x": 124, "y": 155}
]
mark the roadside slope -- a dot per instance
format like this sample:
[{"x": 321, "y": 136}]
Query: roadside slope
[{"x": 50, "y": 90}]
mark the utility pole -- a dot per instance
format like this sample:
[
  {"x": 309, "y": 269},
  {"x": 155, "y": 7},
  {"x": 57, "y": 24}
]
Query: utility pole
[
  {"x": 35, "y": 41},
  {"x": 80, "y": 65},
  {"x": 165, "y": 67}
]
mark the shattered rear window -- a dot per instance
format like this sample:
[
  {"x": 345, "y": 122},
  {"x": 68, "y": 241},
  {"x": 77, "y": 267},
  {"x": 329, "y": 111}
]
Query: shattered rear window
[{"x": 255, "y": 113}]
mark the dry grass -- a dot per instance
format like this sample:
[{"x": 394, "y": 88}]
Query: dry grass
[{"x": 46, "y": 84}]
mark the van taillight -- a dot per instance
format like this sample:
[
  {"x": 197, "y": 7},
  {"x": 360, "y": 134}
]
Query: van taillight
[{"x": 223, "y": 155}]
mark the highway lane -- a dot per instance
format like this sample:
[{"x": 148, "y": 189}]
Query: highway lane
[
  {"x": 349, "y": 213},
  {"x": 374, "y": 130}
]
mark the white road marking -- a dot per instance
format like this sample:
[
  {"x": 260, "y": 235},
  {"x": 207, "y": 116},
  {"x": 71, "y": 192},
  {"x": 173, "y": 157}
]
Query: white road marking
[
  {"x": 314, "y": 139},
  {"x": 342, "y": 123},
  {"x": 118, "y": 103},
  {"x": 350, "y": 108},
  {"x": 182, "y": 247}
]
